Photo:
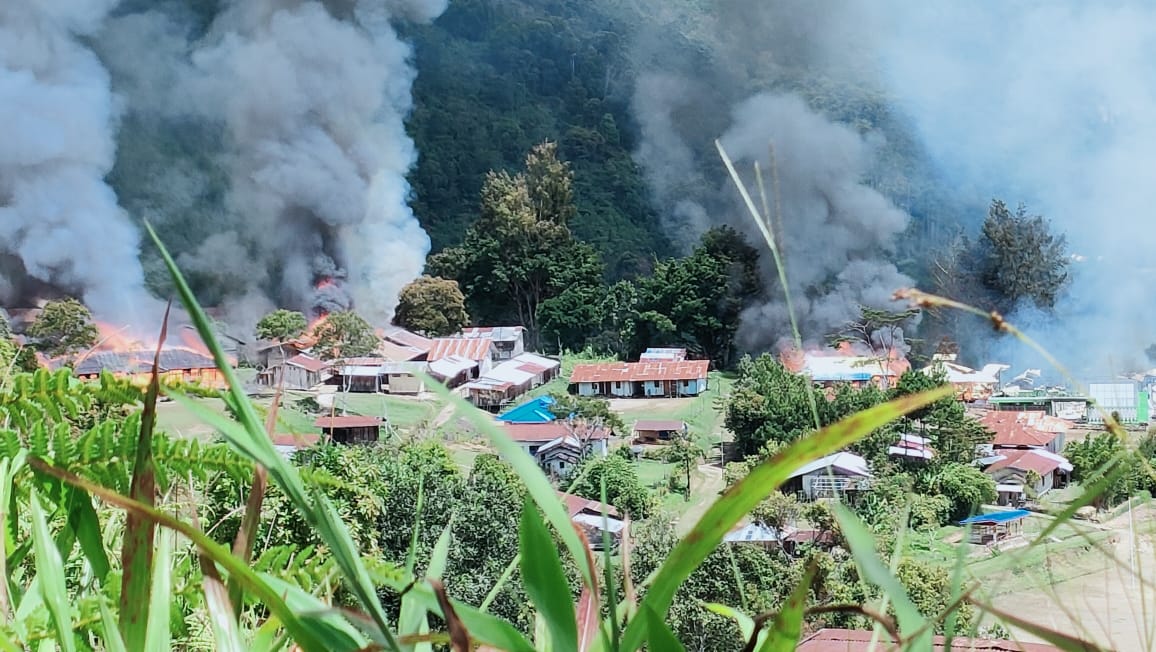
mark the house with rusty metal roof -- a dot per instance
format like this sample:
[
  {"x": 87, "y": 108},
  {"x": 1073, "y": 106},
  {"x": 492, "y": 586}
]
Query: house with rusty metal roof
[{"x": 650, "y": 378}]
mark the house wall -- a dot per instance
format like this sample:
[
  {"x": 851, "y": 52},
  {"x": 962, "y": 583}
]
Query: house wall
[
  {"x": 404, "y": 384},
  {"x": 560, "y": 461},
  {"x": 365, "y": 384},
  {"x": 654, "y": 388},
  {"x": 366, "y": 435},
  {"x": 298, "y": 377},
  {"x": 588, "y": 389},
  {"x": 622, "y": 388},
  {"x": 692, "y": 387}
]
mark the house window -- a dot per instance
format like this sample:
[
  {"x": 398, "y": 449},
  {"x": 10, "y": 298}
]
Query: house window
[{"x": 562, "y": 465}]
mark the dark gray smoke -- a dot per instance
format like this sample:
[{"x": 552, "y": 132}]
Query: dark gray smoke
[
  {"x": 285, "y": 118},
  {"x": 61, "y": 229},
  {"x": 753, "y": 82}
]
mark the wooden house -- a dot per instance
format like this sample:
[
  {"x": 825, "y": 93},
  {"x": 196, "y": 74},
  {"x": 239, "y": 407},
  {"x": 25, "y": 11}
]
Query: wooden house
[
  {"x": 174, "y": 365},
  {"x": 831, "y": 476},
  {"x": 651, "y": 379},
  {"x": 533, "y": 436},
  {"x": 599, "y": 521},
  {"x": 300, "y": 372},
  {"x": 559, "y": 457},
  {"x": 655, "y": 431},
  {"x": 503, "y": 384},
  {"x": 1012, "y": 468},
  {"x": 508, "y": 341},
  {"x": 350, "y": 429}
]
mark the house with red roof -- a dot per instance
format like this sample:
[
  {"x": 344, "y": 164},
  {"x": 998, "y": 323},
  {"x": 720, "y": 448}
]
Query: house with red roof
[
  {"x": 559, "y": 446},
  {"x": 1025, "y": 454},
  {"x": 597, "y": 520},
  {"x": 648, "y": 378},
  {"x": 350, "y": 429}
]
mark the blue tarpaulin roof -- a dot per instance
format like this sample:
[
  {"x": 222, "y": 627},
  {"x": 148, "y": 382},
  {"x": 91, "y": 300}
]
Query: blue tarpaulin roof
[
  {"x": 998, "y": 517},
  {"x": 534, "y": 411}
]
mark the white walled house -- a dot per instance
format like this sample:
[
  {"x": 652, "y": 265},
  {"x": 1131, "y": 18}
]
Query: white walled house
[
  {"x": 656, "y": 378},
  {"x": 539, "y": 439},
  {"x": 830, "y": 476}
]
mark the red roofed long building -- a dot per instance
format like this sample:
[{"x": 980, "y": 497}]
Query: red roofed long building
[{"x": 651, "y": 378}]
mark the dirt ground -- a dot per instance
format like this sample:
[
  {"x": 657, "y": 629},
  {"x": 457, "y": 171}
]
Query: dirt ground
[
  {"x": 653, "y": 405},
  {"x": 1113, "y": 604}
]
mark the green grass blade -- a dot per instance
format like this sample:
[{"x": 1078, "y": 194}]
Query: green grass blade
[
  {"x": 658, "y": 634},
  {"x": 507, "y": 573},
  {"x": 9, "y": 467},
  {"x": 159, "y": 636},
  {"x": 137, "y": 550},
  {"x": 84, "y": 522},
  {"x": 308, "y": 634},
  {"x": 744, "y": 495},
  {"x": 411, "y": 554},
  {"x": 873, "y": 570},
  {"x": 545, "y": 581},
  {"x": 788, "y": 624},
  {"x": 952, "y": 618},
  {"x": 745, "y": 623},
  {"x": 537, "y": 484},
  {"x": 112, "y": 640},
  {"x": 50, "y": 573},
  {"x": 412, "y": 616}
]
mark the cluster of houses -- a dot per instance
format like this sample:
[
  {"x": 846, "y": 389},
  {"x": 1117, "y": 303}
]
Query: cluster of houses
[{"x": 489, "y": 366}]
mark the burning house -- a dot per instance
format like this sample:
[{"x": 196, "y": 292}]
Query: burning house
[
  {"x": 970, "y": 384},
  {"x": 845, "y": 364}
]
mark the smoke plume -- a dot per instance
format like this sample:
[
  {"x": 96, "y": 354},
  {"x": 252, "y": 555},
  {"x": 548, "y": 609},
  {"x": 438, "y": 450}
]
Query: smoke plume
[
  {"x": 278, "y": 126},
  {"x": 1053, "y": 104},
  {"x": 837, "y": 232},
  {"x": 61, "y": 229}
]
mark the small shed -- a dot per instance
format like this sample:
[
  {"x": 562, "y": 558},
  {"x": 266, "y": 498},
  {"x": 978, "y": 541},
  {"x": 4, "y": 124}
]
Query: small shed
[
  {"x": 987, "y": 529},
  {"x": 653, "y": 431},
  {"x": 599, "y": 520},
  {"x": 350, "y": 429},
  {"x": 830, "y": 476},
  {"x": 403, "y": 378}
]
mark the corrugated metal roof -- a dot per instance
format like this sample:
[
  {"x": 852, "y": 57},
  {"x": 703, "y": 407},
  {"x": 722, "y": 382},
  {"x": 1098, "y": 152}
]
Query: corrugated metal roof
[
  {"x": 308, "y": 363},
  {"x": 847, "y": 462},
  {"x": 1030, "y": 459},
  {"x": 451, "y": 366},
  {"x": 640, "y": 371},
  {"x": 656, "y": 353},
  {"x": 399, "y": 335},
  {"x": 142, "y": 361},
  {"x": 544, "y": 432},
  {"x": 444, "y": 347},
  {"x": 1012, "y": 430},
  {"x": 575, "y": 505},
  {"x": 399, "y": 352},
  {"x": 494, "y": 333}
]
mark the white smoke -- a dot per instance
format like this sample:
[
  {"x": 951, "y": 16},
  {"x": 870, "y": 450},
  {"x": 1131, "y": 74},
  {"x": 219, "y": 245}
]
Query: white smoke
[
  {"x": 313, "y": 99},
  {"x": 58, "y": 217},
  {"x": 1054, "y": 104}
]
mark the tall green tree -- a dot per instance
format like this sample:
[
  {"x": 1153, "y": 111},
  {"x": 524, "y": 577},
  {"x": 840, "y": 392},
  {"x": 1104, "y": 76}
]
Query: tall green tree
[
  {"x": 282, "y": 325},
  {"x": 344, "y": 335},
  {"x": 768, "y": 404},
  {"x": 63, "y": 327},
  {"x": 624, "y": 489},
  {"x": 520, "y": 252},
  {"x": 432, "y": 306}
]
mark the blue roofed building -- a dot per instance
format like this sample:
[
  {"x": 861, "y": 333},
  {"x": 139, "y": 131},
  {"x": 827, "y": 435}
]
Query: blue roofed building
[{"x": 533, "y": 411}]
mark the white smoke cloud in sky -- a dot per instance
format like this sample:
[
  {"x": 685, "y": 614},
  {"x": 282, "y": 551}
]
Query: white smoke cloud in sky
[
  {"x": 58, "y": 217},
  {"x": 1056, "y": 103}
]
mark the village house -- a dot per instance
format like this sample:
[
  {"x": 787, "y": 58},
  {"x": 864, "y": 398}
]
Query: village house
[
  {"x": 509, "y": 342},
  {"x": 350, "y": 429},
  {"x": 1025, "y": 430},
  {"x": 394, "y": 352},
  {"x": 650, "y": 379},
  {"x": 377, "y": 375},
  {"x": 300, "y": 372},
  {"x": 271, "y": 354},
  {"x": 174, "y": 365},
  {"x": 452, "y": 371},
  {"x": 654, "y": 431},
  {"x": 536, "y": 410},
  {"x": 554, "y": 445},
  {"x": 830, "y": 477},
  {"x": 655, "y": 354},
  {"x": 970, "y": 385},
  {"x": 399, "y": 336},
  {"x": 912, "y": 447},
  {"x": 507, "y": 381},
  {"x": 599, "y": 521},
  {"x": 480, "y": 351},
  {"x": 1014, "y": 470}
]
